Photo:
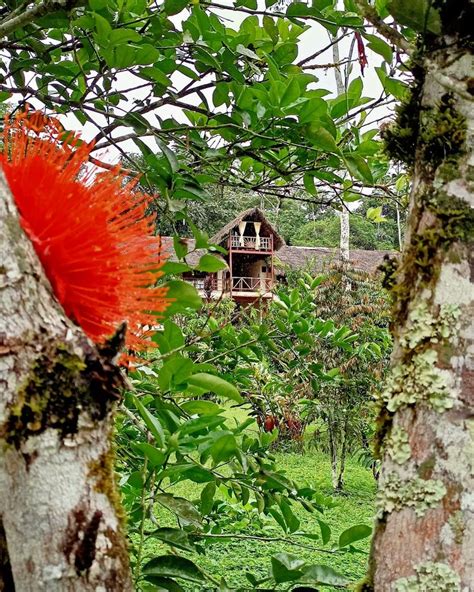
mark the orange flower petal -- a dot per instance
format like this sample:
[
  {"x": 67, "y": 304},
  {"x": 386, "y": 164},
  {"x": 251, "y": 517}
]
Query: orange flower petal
[{"x": 89, "y": 230}]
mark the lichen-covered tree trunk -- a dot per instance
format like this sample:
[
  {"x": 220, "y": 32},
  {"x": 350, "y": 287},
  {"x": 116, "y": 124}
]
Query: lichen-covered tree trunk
[
  {"x": 424, "y": 536},
  {"x": 60, "y": 527}
]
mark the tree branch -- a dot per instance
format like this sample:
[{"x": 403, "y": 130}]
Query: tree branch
[
  {"x": 12, "y": 23},
  {"x": 371, "y": 15}
]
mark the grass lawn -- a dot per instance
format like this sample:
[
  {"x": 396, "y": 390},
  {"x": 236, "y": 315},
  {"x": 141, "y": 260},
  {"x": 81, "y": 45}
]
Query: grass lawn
[{"x": 232, "y": 559}]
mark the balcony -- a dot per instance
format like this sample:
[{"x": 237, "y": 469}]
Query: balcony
[
  {"x": 248, "y": 285},
  {"x": 250, "y": 243},
  {"x": 252, "y": 284}
]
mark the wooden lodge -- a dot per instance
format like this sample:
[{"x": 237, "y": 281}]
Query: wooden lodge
[{"x": 258, "y": 258}]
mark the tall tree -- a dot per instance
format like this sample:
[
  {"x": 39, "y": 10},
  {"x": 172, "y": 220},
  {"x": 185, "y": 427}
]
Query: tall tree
[{"x": 425, "y": 531}]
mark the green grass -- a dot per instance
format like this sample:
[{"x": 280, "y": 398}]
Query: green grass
[
  {"x": 354, "y": 507},
  {"x": 232, "y": 559}
]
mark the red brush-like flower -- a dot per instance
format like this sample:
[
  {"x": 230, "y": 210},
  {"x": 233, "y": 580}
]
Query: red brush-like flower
[{"x": 89, "y": 230}]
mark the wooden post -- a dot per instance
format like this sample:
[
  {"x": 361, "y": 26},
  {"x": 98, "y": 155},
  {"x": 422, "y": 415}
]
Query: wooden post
[
  {"x": 272, "y": 273},
  {"x": 230, "y": 264}
]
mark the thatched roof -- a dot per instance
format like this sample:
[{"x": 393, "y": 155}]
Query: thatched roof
[
  {"x": 252, "y": 215},
  {"x": 314, "y": 258}
]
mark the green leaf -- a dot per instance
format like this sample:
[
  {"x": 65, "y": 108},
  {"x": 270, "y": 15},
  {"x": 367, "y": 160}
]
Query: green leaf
[
  {"x": 184, "y": 295},
  {"x": 247, "y": 3},
  {"x": 358, "y": 167},
  {"x": 322, "y": 574},
  {"x": 325, "y": 531},
  {"x": 180, "y": 246},
  {"x": 174, "y": 268},
  {"x": 323, "y": 139},
  {"x": 150, "y": 420},
  {"x": 220, "y": 94},
  {"x": 170, "y": 338},
  {"x": 207, "y": 498},
  {"x": 242, "y": 50},
  {"x": 169, "y": 155},
  {"x": 308, "y": 181},
  {"x": 271, "y": 28},
  {"x": 119, "y": 36},
  {"x": 378, "y": 45},
  {"x": 211, "y": 263},
  {"x": 215, "y": 384},
  {"x": 172, "y": 566},
  {"x": 201, "y": 424},
  {"x": 291, "y": 520},
  {"x": 223, "y": 448},
  {"x": 353, "y": 534},
  {"x": 200, "y": 236},
  {"x": 103, "y": 28},
  {"x": 174, "y": 537},
  {"x": 153, "y": 73},
  {"x": 175, "y": 6},
  {"x": 355, "y": 89},
  {"x": 397, "y": 88},
  {"x": 174, "y": 372},
  {"x": 97, "y": 4},
  {"x": 184, "y": 509},
  {"x": 155, "y": 456},
  {"x": 375, "y": 214},
  {"x": 137, "y": 121},
  {"x": 416, "y": 14},
  {"x": 292, "y": 92},
  {"x": 201, "y": 407},
  {"x": 162, "y": 584},
  {"x": 286, "y": 567}
]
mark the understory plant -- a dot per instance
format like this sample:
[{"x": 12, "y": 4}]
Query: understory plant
[{"x": 174, "y": 427}]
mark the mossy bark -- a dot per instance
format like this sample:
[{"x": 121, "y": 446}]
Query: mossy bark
[
  {"x": 424, "y": 534},
  {"x": 60, "y": 526}
]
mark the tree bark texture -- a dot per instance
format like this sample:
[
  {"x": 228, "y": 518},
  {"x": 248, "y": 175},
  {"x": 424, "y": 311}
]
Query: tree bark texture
[
  {"x": 344, "y": 217},
  {"x": 424, "y": 536},
  {"x": 60, "y": 527},
  {"x": 345, "y": 234}
]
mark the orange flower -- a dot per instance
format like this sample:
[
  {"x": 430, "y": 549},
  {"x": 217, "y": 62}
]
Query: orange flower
[{"x": 89, "y": 230}]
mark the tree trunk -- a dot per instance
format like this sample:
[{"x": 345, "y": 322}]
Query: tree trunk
[
  {"x": 344, "y": 217},
  {"x": 60, "y": 527},
  {"x": 424, "y": 536},
  {"x": 342, "y": 459},
  {"x": 332, "y": 434},
  {"x": 399, "y": 227},
  {"x": 345, "y": 233}
]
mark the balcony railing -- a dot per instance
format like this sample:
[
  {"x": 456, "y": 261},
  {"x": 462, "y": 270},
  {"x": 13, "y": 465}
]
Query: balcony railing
[
  {"x": 239, "y": 284},
  {"x": 251, "y": 284},
  {"x": 264, "y": 243}
]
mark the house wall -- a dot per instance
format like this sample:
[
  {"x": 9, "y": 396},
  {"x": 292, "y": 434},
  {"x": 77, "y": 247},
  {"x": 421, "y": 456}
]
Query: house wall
[{"x": 255, "y": 268}]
